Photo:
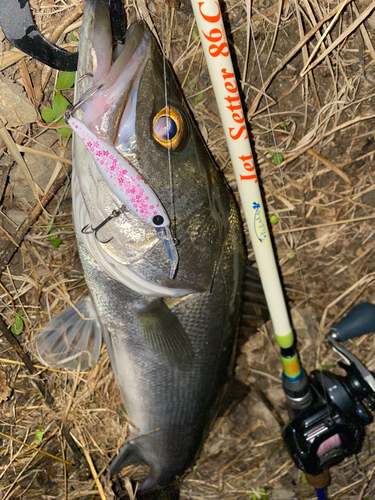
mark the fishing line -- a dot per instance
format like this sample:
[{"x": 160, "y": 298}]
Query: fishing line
[
  {"x": 280, "y": 169},
  {"x": 275, "y": 144},
  {"x": 283, "y": 183},
  {"x": 171, "y": 184}
]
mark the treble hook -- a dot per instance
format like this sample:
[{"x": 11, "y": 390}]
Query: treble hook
[
  {"x": 115, "y": 213},
  {"x": 86, "y": 96}
]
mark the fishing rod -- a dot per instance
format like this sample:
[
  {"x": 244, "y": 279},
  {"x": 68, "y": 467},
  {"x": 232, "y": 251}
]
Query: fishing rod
[{"x": 328, "y": 412}]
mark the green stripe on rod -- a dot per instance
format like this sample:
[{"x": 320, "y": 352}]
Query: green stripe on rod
[{"x": 285, "y": 341}]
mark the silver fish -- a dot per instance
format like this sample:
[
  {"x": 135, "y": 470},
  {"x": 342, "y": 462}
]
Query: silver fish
[{"x": 167, "y": 299}]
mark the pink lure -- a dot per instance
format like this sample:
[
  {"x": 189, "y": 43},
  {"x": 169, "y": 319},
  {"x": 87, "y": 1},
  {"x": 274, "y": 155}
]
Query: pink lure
[{"x": 127, "y": 184}]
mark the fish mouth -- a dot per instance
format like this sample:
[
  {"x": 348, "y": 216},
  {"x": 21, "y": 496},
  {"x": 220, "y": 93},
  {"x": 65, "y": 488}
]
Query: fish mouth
[
  {"x": 109, "y": 105},
  {"x": 108, "y": 82}
]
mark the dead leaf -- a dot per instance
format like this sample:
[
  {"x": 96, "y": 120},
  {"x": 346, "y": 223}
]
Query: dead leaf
[
  {"x": 5, "y": 391},
  {"x": 15, "y": 106},
  {"x": 129, "y": 489}
]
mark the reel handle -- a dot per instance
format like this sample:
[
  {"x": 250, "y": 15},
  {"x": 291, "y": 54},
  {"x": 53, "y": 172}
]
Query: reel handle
[{"x": 359, "y": 321}]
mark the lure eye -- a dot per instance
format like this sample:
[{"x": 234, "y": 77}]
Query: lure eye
[
  {"x": 158, "y": 220},
  {"x": 168, "y": 128}
]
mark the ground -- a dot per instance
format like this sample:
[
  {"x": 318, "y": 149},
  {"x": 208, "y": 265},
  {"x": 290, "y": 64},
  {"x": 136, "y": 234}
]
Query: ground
[{"x": 313, "y": 142}]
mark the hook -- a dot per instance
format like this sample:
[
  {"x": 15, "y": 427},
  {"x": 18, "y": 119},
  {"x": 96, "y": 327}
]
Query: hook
[
  {"x": 90, "y": 93},
  {"x": 115, "y": 213}
]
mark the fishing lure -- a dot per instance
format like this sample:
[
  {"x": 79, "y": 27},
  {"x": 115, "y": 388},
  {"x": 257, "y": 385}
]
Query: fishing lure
[{"x": 129, "y": 186}]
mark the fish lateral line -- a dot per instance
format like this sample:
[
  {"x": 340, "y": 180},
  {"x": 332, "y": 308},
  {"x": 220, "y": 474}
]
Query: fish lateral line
[{"x": 129, "y": 186}]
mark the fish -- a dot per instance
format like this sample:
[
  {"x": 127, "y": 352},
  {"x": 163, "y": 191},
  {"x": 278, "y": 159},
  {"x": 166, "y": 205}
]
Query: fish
[{"x": 161, "y": 244}]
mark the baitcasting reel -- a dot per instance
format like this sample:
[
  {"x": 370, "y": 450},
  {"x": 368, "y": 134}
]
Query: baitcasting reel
[{"x": 333, "y": 426}]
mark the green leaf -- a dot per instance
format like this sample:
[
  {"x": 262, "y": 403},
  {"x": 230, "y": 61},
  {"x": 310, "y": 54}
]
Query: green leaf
[
  {"x": 53, "y": 236},
  {"x": 18, "y": 324},
  {"x": 259, "y": 493},
  {"x": 285, "y": 124},
  {"x": 195, "y": 36},
  {"x": 123, "y": 409},
  {"x": 292, "y": 255},
  {"x": 38, "y": 437},
  {"x": 48, "y": 115},
  {"x": 64, "y": 132},
  {"x": 277, "y": 159},
  {"x": 59, "y": 104},
  {"x": 56, "y": 243},
  {"x": 65, "y": 80},
  {"x": 303, "y": 479},
  {"x": 198, "y": 98},
  {"x": 74, "y": 38}
]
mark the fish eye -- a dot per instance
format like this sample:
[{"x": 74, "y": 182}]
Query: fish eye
[{"x": 168, "y": 128}]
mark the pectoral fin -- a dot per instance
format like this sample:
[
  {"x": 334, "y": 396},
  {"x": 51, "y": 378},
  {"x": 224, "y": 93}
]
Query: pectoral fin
[
  {"x": 68, "y": 339},
  {"x": 165, "y": 335}
]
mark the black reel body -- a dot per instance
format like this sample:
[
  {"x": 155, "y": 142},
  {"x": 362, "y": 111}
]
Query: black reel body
[
  {"x": 333, "y": 426},
  {"x": 325, "y": 434}
]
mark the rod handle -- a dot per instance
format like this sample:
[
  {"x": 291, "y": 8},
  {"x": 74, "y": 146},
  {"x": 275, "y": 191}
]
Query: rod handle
[{"x": 359, "y": 321}]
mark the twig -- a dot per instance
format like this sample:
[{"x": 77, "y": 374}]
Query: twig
[
  {"x": 91, "y": 464},
  {"x": 278, "y": 473},
  {"x": 16, "y": 481},
  {"x": 33, "y": 447},
  {"x": 354, "y": 160},
  {"x": 365, "y": 35},
  {"x": 342, "y": 37},
  {"x": 10, "y": 57},
  {"x": 4, "y": 177},
  {"x": 25, "y": 75},
  {"x": 264, "y": 443},
  {"x": 12, "y": 148},
  {"x": 264, "y": 374},
  {"x": 279, "y": 11},
  {"x": 32, "y": 151},
  {"x": 48, "y": 398},
  {"x": 305, "y": 69},
  {"x": 326, "y": 224},
  {"x": 346, "y": 488},
  {"x": 320, "y": 138},
  {"x": 60, "y": 28},
  {"x": 289, "y": 56},
  {"x": 326, "y": 162},
  {"x": 38, "y": 367},
  {"x": 9, "y": 250}
]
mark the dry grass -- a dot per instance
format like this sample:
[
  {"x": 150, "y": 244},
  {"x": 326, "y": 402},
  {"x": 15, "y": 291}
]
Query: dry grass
[{"x": 313, "y": 106}]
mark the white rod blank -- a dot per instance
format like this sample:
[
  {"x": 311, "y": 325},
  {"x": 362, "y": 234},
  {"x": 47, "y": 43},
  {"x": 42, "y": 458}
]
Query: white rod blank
[{"x": 215, "y": 45}]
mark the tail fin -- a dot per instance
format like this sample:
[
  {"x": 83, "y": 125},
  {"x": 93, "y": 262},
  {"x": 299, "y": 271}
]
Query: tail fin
[{"x": 129, "y": 455}]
